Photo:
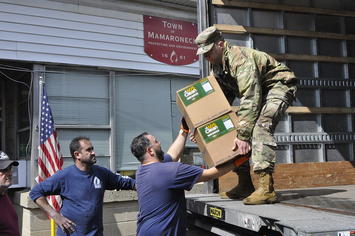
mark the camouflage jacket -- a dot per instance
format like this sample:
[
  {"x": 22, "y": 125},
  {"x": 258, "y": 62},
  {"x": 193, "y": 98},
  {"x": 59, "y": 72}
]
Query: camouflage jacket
[{"x": 249, "y": 75}]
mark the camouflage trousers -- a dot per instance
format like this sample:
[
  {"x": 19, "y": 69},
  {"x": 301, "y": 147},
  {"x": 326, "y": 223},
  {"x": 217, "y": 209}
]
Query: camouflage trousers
[{"x": 263, "y": 142}]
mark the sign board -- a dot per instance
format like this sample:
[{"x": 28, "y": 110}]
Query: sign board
[{"x": 170, "y": 41}]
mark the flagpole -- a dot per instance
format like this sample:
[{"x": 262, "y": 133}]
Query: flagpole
[
  {"x": 41, "y": 84},
  {"x": 36, "y": 90},
  {"x": 52, "y": 227}
]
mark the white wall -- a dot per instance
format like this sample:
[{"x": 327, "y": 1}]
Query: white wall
[{"x": 76, "y": 34}]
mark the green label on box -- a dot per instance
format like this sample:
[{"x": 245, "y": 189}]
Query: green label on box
[
  {"x": 216, "y": 128},
  {"x": 196, "y": 91}
]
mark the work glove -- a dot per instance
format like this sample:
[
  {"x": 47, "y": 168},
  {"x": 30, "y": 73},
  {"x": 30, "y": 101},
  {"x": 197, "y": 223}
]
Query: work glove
[
  {"x": 184, "y": 127},
  {"x": 241, "y": 159}
]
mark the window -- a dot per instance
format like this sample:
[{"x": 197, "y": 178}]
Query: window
[
  {"x": 111, "y": 108},
  {"x": 145, "y": 103},
  {"x": 80, "y": 103}
]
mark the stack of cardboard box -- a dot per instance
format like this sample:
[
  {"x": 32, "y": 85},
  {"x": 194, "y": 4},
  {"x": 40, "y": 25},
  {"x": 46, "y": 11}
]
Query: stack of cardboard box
[{"x": 207, "y": 111}]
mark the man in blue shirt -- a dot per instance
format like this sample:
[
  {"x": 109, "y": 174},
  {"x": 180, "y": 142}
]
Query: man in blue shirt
[
  {"x": 82, "y": 187},
  {"x": 161, "y": 182}
]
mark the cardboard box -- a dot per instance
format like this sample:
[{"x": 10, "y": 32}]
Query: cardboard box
[
  {"x": 215, "y": 139},
  {"x": 202, "y": 101}
]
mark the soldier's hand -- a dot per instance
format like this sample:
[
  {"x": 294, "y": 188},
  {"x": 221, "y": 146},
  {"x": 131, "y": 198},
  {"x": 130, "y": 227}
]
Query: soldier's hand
[{"x": 243, "y": 146}]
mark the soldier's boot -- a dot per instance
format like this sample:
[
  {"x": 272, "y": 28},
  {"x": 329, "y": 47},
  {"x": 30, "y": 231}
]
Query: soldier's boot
[
  {"x": 265, "y": 193},
  {"x": 245, "y": 185}
]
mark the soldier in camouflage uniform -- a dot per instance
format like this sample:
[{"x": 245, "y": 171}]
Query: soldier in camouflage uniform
[{"x": 265, "y": 88}]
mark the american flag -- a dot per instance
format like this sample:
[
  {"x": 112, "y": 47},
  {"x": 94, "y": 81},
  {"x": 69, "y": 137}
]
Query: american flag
[{"x": 50, "y": 159}]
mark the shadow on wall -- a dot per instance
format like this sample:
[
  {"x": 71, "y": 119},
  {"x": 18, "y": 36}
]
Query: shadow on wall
[{"x": 120, "y": 218}]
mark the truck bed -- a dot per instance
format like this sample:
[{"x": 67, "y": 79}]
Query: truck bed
[{"x": 312, "y": 211}]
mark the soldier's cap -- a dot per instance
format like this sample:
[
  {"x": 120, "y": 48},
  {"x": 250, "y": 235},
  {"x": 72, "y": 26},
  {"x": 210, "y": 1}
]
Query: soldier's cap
[
  {"x": 207, "y": 38},
  {"x": 5, "y": 161}
]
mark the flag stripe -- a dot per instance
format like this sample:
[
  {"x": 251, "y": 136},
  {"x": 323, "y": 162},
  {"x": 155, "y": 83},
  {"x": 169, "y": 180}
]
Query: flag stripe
[
  {"x": 52, "y": 153},
  {"x": 47, "y": 153},
  {"x": 48, "y": 161},
  {"x": 44, "y": 171},
  {"x": 56, "y": 159},
  {"x": 54, "y": 201}
]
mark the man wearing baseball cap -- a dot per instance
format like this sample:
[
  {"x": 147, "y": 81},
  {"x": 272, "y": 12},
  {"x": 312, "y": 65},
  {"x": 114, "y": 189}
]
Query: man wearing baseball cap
[
  {"x": 265, "y": 88},
  {"x": 8, "y": 219}
]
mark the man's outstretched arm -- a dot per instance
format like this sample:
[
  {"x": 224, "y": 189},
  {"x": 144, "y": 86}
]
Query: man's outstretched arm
[
  {"x": 215, "y": 172},
  {"x": 178, "y": 146}
]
